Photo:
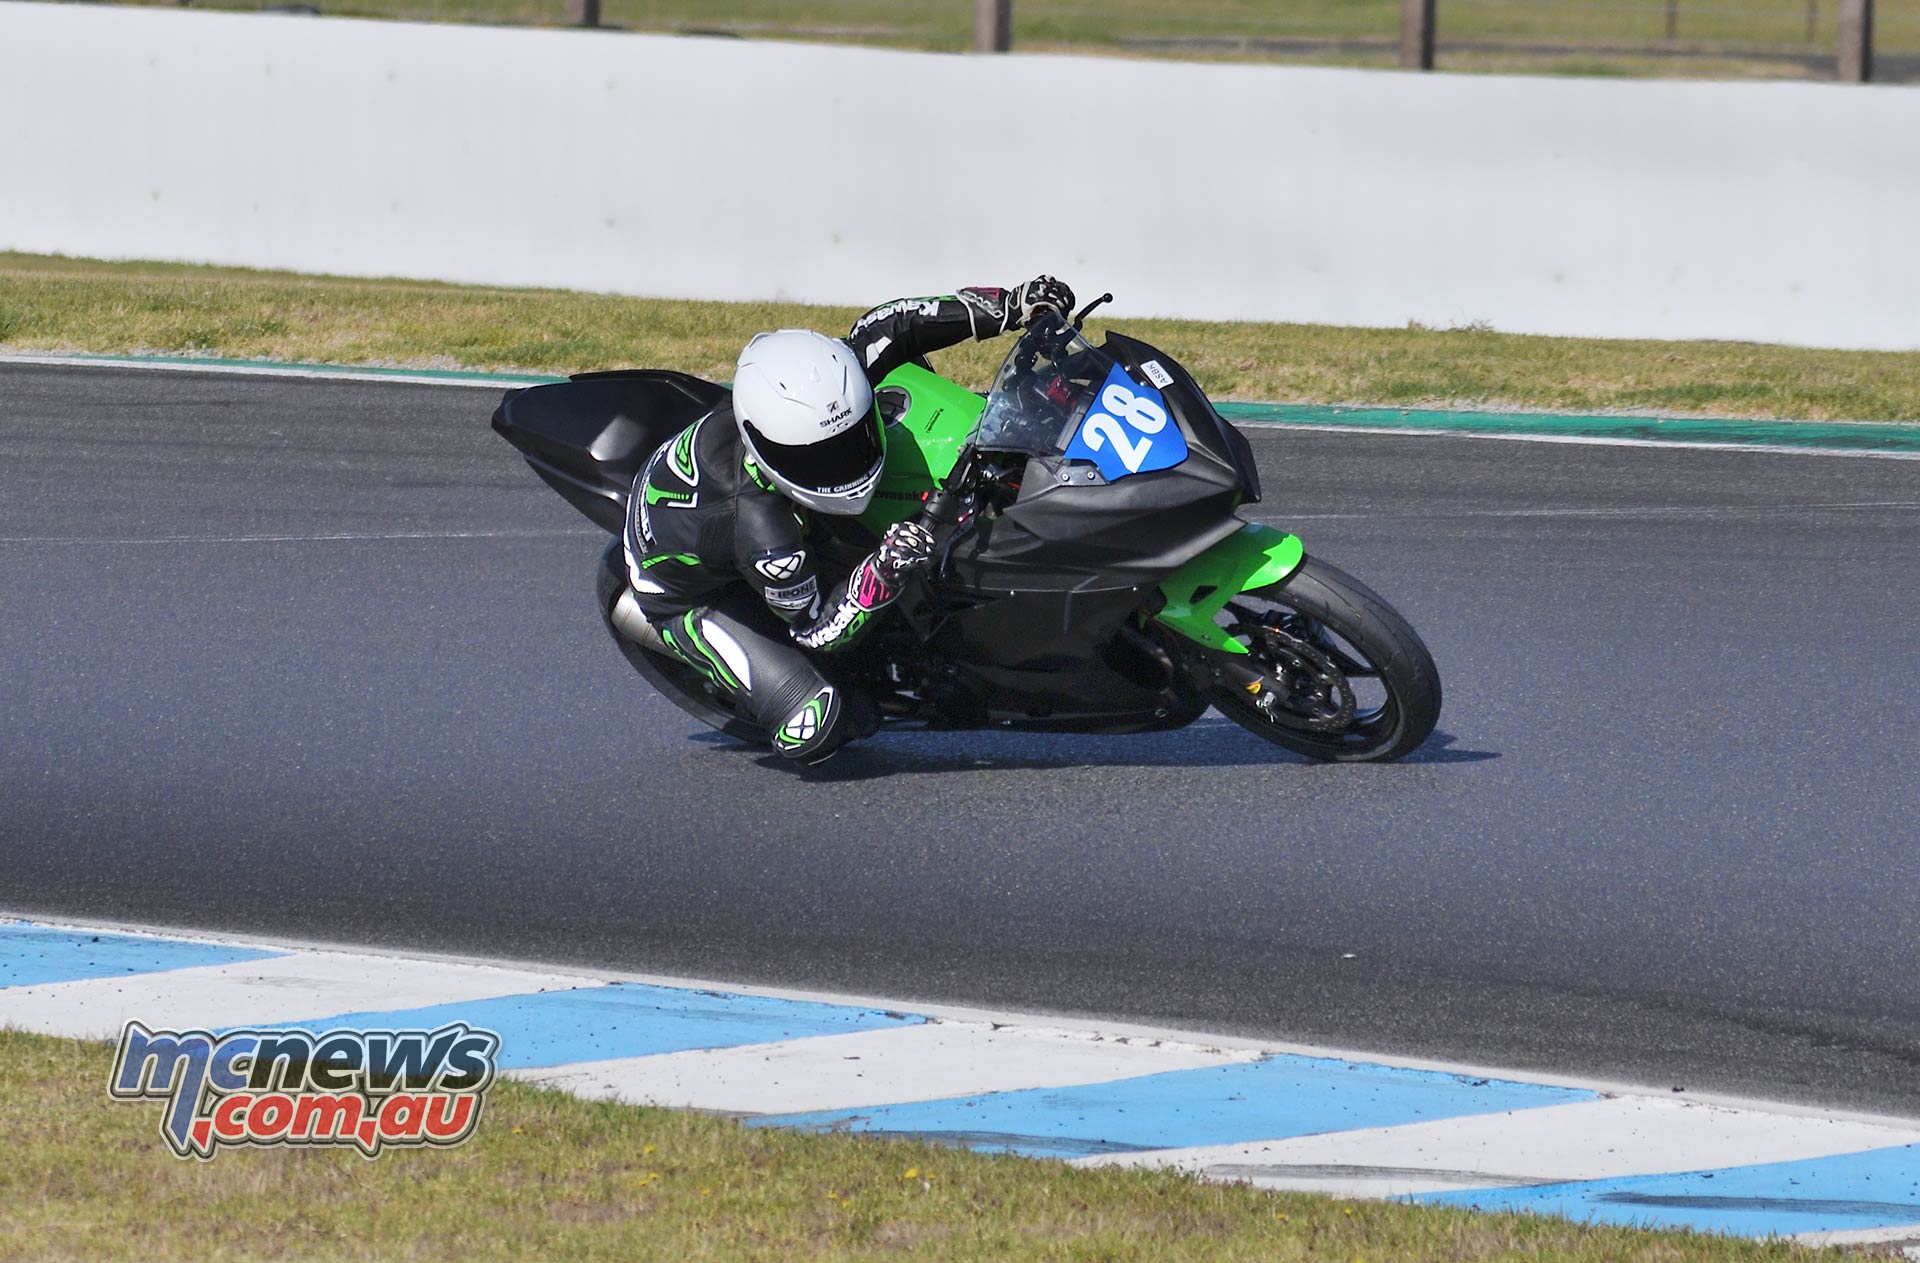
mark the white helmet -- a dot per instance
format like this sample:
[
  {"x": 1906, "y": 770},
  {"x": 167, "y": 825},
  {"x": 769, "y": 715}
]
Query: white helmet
[{"x": 806, "y": 414}]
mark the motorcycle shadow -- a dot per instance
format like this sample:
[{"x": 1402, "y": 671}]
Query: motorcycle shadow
[{"x": 1208, "y": 743}]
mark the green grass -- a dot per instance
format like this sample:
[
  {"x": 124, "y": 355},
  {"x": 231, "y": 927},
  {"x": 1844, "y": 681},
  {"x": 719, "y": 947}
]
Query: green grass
[
  {"x": 551, "y": 1177},
  {"x": 1236, "y": 28},
  {"x": 62, "y": 304}
]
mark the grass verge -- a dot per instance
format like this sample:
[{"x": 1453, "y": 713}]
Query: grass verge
[
  {"x": 549, "y": 1176},
  {"x": 59, "y": 304},
  {"x": 1742, "y": 40}
]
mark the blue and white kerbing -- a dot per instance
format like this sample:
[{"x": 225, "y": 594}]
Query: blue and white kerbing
[{"x": 1089, "y": 1093}]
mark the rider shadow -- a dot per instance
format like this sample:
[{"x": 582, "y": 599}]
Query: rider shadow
[{"x": 1209, "y": 742}]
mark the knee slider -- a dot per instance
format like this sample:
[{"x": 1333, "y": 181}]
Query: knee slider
[{"x": 815, "y": 729}]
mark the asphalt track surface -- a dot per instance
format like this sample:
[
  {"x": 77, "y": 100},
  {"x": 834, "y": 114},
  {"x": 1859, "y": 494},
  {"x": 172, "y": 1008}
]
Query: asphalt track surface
[{"x": 319, "y": 659}]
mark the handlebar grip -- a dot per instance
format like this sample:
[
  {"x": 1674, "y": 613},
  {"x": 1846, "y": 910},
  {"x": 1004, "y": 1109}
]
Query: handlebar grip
[
  {"x": 945, "y": 505},
  {"x": 941, "y": 510}
]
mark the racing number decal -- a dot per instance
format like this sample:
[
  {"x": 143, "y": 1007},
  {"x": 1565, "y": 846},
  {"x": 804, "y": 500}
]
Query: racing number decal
[
  {"x": 1126, "y": 432},
  {"x": 1129, "y": 413}
]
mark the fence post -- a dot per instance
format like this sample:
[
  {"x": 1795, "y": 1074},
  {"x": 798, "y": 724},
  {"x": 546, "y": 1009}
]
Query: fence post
[
  {"x": 583, "y": 12},
  {"x": 1416, "y": 34},
  {"x": 1673, "y": 19},
  {"x": 992, "y": 26},
  {"x": 1856, "y": 41}
]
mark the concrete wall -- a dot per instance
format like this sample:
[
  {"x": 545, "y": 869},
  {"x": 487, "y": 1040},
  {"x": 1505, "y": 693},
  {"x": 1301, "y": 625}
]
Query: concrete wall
[{"x": 727, "y": 169}]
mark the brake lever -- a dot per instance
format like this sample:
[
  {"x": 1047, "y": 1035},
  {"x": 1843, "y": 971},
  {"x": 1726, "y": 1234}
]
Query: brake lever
[{"x": 1081, "y": 319}]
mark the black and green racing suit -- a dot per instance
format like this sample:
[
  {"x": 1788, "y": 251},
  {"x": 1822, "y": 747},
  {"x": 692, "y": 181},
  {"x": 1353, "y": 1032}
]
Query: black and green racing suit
[{"x": 718, "y": 560}]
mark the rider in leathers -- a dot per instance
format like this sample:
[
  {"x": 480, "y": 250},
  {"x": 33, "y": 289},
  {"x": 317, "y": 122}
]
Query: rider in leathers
[{"x": 717, "y": 557}]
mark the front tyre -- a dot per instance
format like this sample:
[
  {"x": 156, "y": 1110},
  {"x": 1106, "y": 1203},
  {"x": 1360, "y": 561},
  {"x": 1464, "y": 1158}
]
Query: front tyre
[{"x": 1331, "y": 670}]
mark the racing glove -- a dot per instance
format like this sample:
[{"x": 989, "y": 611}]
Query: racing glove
[
  {"x": 1041, "y": 291},
  {"x": 874, "y": 584},
  {"x": 905, "y": 548}
]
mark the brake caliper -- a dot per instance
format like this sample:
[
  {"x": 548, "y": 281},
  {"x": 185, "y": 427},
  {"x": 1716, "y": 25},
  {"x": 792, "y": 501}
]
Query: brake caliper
[{"x": 1311, "y": 687}]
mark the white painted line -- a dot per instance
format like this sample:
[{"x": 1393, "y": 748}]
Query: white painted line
[
  {"x": 337, "y": 537},
  {"x": 486, "y": 381},
  {"x": 929, "y": 1062},
  {"x": 1109, "y": 1027},
  {"x": 1633, "y": 514},
  {"x": 1592, "y": 1140},
  {"x": 279, "y": 989},
  {"x": 477, "y": 380},
  {"x": 1584, "y": 440}
]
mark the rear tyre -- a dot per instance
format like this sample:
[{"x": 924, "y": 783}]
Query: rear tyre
[{"x": 1332, "y": 671}]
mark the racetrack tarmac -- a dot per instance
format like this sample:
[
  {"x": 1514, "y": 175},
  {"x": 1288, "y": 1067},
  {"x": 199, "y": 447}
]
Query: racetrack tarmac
[{"x": 320, "y": 659}]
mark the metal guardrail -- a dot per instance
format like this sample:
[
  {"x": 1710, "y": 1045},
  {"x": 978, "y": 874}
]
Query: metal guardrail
[
  {"x": 993, "y": 32},
  {"x": 1852, "y": 40}
]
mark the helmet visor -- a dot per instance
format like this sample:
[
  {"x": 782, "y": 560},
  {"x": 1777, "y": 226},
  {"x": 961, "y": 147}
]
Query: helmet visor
[{"x": 831, "y": 465}]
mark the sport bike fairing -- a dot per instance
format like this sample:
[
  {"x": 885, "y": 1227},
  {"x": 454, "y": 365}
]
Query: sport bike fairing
[
  {"x": 1129, "y": 472},
  {"x": 1109, "y": 538},
  {"x": 587, "y": 437}
]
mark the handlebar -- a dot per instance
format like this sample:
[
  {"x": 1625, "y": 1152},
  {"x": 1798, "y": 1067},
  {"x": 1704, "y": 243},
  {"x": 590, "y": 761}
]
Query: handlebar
[{"x": 945, "y": 503}]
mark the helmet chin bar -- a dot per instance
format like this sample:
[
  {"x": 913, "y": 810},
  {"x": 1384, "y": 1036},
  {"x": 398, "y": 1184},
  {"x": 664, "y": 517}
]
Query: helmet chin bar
[{"x": 849, "y": 501}]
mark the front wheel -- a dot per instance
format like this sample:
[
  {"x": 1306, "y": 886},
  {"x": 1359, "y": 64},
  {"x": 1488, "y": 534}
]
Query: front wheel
[{"x": 1331, "y": 670}]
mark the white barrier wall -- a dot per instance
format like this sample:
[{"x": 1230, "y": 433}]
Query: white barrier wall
[{"x": 717, "y": 168}]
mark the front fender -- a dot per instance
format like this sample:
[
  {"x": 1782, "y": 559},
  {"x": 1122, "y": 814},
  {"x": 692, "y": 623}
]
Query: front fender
[{"x": 1252, "y": 557}]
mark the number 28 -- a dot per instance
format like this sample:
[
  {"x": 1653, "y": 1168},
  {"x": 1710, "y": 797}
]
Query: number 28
[{"x": 1143, "y": 415}]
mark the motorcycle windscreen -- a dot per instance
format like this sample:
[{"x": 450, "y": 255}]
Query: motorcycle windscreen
[{"x": 1116, "y": 491}]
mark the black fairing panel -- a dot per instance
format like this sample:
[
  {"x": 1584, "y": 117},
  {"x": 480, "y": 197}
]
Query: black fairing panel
[
  {"x": 589, "y": 436},
  {"x": 1065, "y": 534},
  {"x": 1190, "y": 404},
  {"x": 1049, "y": 660},
  {"x": 1070, "y": 529}
]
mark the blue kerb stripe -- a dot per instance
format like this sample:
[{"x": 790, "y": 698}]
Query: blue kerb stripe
[
  {"x": 598, "y": 1023},
  {"x": 1876, "y": 1189},
  {"x": 34, "y": 954},
  {"x": 1270, "y": 1099}
]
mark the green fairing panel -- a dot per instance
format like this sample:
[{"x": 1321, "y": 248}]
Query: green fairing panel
[
  {"x": 1252, "y": 557},
  {"x": 925, "y": 440},
  {"x": 922, "y": 443}
]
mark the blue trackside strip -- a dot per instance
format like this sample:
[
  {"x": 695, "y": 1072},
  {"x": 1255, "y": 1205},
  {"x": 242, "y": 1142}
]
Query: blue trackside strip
[
  {"x": 1876, "y": 1189},
  {"x": 31, "y": 955},
  {"x": 1270, "y": 1099},
  {"x": 598, "y": 1023}
]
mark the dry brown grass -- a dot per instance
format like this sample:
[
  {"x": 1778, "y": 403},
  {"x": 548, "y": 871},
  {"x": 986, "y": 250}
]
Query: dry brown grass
[{"x": 84, "y": 305}]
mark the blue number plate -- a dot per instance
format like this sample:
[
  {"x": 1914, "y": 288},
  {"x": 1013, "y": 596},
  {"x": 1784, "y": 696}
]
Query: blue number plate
[{"x": 1128, "y": 430}]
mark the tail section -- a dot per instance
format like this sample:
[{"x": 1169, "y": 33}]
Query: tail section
[{"x": 588, "y": 436}]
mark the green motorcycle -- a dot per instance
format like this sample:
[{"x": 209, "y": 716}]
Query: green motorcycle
[{"x": 1093, "y": 574}]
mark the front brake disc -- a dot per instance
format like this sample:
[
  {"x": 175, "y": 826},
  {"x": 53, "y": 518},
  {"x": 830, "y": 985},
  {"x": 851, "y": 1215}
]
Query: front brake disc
[{"x": 1317, "y": 691}]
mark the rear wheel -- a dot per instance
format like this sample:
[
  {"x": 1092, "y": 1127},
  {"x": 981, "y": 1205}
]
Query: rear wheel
[{"x": 1331, "y": 670}]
